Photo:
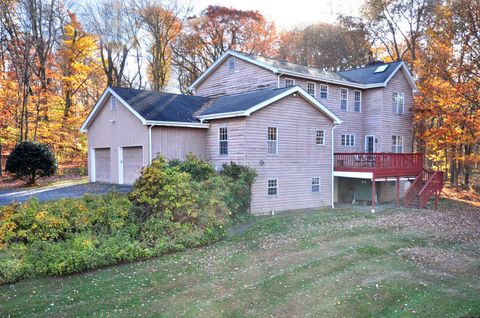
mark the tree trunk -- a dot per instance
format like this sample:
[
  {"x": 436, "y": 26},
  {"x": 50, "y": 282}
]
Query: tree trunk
[{"x": 1, "y": 163}]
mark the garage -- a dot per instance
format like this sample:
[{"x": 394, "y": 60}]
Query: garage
[
  {"x": 132, "y": 163},
  {"x": 102, "y": 164}
]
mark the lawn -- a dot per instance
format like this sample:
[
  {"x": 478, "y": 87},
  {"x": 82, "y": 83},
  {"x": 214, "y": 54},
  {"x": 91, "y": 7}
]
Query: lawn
[{"x": 332, "y": 263}]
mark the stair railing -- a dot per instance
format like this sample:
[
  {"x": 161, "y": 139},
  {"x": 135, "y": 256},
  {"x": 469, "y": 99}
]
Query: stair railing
[
  {"x": 416, "y": 186},
  {"x": 433, "y": 185}
]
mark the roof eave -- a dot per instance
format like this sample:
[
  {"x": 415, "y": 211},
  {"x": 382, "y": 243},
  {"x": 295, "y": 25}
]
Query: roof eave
[{"x": 176, "y": 124}]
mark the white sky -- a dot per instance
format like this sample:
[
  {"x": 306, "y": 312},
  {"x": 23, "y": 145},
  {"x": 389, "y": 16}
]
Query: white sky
[{"x": 290, "y": 13}]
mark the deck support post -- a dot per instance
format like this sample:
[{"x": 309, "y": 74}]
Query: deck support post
[
  {"x": 373, "y": 194},
  {"x": 398, "y": 192},
  {"x": 437, "y": 194}
]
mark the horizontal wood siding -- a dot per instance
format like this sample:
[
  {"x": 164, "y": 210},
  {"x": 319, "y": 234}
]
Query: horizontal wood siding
[
  {"x": 246, "y": 77},
  {"x": 395, "y": 124},
  {"x": 299, "y": 159},
  {"x": 176, "y": 143},
  {"x": 236, "y": 141},
  {"x": 114, "y": 129}
]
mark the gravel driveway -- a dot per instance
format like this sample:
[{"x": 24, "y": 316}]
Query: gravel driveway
[{"x": 72, "y": 191}]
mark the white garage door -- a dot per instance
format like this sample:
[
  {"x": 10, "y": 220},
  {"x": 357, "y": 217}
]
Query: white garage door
[
  {"x": 102, "y": 165},
  {"x": 132, "y": 163}
]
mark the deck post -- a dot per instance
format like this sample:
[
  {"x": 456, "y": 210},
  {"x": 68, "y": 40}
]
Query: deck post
[
  {"x": 398, "y": 192},
  {"x": 437, "y": 194},
  {"x": 373, "y": 194}
]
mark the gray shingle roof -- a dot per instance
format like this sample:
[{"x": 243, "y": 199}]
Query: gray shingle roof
[
  {"x": 367, "y": 75},
  {"x": 157, "y": 106},
  {"x": 241, "y": 102},
  {"x": 363, "y": 75}
]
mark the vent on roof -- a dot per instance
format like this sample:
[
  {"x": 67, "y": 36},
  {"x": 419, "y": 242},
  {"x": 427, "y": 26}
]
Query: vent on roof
[{"x": 381, "y": 68}]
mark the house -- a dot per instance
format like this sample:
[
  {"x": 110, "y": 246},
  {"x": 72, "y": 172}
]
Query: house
[{"x": 314, "y": 137}]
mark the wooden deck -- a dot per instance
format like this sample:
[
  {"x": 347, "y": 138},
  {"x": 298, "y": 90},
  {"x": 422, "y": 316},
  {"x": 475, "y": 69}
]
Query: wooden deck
[{"x": 380, "y": 164}]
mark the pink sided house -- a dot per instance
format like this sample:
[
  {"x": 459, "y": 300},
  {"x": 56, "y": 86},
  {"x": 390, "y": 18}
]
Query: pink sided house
[{"x": 314, "y": 137}]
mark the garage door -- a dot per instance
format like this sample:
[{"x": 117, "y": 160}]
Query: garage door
[
  {"x": 132, "y": 163},
  {"x": 102, "y": 165}
]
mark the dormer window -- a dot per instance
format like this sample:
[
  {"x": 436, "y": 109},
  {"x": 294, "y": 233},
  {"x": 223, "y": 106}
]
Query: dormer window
[
  {"x": 231, "y": 63},
  {"x": 113, "y": 103}
]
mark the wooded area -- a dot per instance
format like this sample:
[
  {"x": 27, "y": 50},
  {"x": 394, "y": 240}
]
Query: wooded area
[{"x": 56, "y": 59}]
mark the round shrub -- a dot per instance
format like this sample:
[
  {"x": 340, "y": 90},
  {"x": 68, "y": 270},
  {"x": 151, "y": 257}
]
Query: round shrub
[{"x": 30, "y": 161}]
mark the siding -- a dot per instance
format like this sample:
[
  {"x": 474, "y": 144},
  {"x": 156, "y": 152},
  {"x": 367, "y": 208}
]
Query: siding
[
  {"x": 396, "y": 124},
  {"x": 246, "y": 77},
  {"x": 176, "y": 143},
  {"x": 114, "y": 129},
  {"x": 298, "y": 160}
]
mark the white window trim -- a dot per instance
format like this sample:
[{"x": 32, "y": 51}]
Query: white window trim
[
  {"x": 276, "y": 144},
  {"x": 268, "y": 187},
  {"x": 328, "y": 91},
  {"x": 366, "y": 145},
  {"x": 232, "y": 58},
  {"x": 314, "y": 88},
  {"x": 396, "y": 105},
  {"x": 346, "y": 109},
  {"x": 319, "y": 184},
  {"x": 354, "y": 101},
  {"x": 285, "y": 82},
  {"x": 354, "y": 140},
  {"x": 396, "y": 143},
  {"x": 218, "y": 136},
  {"x": 324, "y": 135}
]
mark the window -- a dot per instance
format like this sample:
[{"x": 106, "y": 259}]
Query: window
[
  {"x": 316, "y": 184},
  {"x": 398, "y": 103},
  {"x": 357, "y": 104},
  {"x": 343, "y": 98},
  {"x": 231, "y": 63},
  {"x": 272, "y": 186},
  {"x": 272, "y": 141},
  {"x": 311, "y": 88},
  {"x": 320, "y": 137},
  {"x": 113, "y": 103},
  {"x": 348, "y": 140},
  {"x": 397, "y": 144},
  {"x": 289, "y": 82},
  {"x": 324, "y": 91},
  {"x": 223, "y": 140}
]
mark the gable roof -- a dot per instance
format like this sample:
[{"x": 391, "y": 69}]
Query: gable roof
[
  {"x": 362, "y": 78},
  {"x": 154, "y": 108},
  {"x": 244, "y": 104},
  {"x": 159, "y": 107}
]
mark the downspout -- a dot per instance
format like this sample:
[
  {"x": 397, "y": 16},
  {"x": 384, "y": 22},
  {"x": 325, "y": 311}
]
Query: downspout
[
  {"x": 150, "y": 144},
  {"x": 278, "y": 79},
  {"x": 333, "y": 162}
]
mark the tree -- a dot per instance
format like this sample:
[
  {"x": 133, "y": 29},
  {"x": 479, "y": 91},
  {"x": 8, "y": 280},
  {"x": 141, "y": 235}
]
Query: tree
[
  {"x": 331, "y": 46},
  {"x": 162, "y": 23},
  {"x": 30, "y": 161},
  {"x": 206, "y": 37}
]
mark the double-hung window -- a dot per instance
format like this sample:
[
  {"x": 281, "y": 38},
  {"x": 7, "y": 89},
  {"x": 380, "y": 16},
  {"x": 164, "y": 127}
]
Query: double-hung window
[
  {"x": 357, "y": 102},
  {"x": 324, "y": 91},
  {"x": 316, "y": 184},
  {"x": 272, "y": 187},
  {"x": 348, "y": 140},
  {"x": 311, "y": 88},
  {"x": 289, "y": 82},
  {"x": 223, "y": 141},
  {"x": 398, "y": 103},
  {"x": 320, "y": 137},
  {"x": 272, "y": 141},
  {"x": 397, "y": 144},
  {"x": 343, "y": 98}
]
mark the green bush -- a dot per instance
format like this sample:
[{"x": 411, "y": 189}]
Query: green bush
[
  {"x": 241, "y": 179},
  {"x": 168, "y": 210},
  {"x": 30, "y": 161}
]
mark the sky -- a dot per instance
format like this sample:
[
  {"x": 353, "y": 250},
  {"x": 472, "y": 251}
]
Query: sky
[{"x": 286, "y": 14}]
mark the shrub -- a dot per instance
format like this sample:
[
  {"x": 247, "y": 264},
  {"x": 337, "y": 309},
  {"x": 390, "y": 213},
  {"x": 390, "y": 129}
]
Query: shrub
[
  {"x": 241, "y": 179},
  {"x": 198, "y": 169},
  {"x": 30, "y": 161}
]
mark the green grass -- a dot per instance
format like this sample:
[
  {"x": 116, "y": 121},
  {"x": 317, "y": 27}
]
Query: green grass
[{"x": 332, "y": 263}]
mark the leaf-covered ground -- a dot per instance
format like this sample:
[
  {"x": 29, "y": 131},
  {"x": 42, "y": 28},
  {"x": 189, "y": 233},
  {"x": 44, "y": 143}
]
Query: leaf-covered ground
[{"x": 332, "y": 263}]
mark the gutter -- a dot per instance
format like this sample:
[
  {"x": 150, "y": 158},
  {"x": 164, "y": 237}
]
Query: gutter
[
  {"x": 278, "y": 78},
  {"x": 150, "y": 144},
  {"x": 333, "y": 162}
]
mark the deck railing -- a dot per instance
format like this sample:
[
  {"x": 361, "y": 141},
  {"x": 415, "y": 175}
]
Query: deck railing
[{"x": 382, "y": 164}]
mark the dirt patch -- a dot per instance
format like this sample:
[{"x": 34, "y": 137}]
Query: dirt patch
[{"x": 442, "y": 260}]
